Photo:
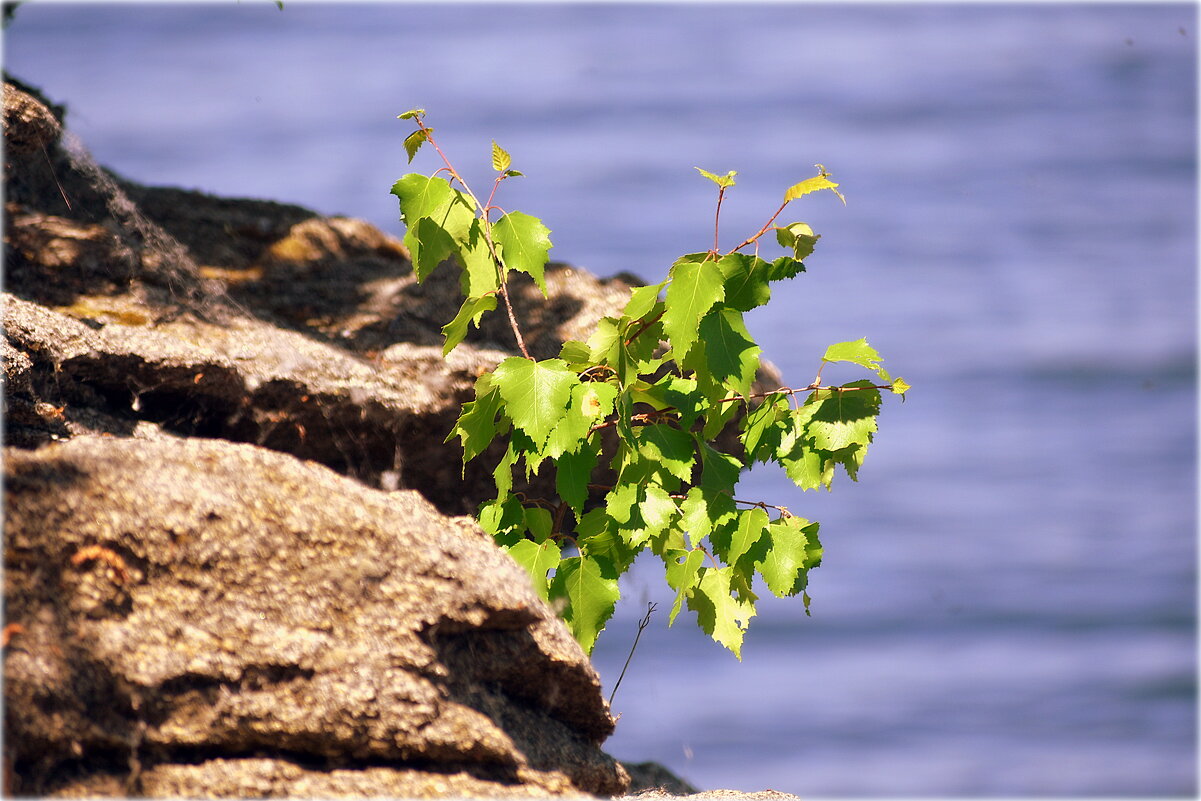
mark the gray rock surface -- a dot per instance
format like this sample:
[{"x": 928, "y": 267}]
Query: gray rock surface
[{"x": 189, "y": 605}]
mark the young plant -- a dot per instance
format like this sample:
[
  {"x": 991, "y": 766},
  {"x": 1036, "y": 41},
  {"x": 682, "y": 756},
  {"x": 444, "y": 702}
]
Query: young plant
[{"x": 646, "y": 402}]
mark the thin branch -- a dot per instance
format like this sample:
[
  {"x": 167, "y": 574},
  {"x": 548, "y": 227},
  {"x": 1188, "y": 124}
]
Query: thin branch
[
  {"x": 504, "y": 292},
  {"x": 645, "y": 326},
  {"x": 766, "y": 226},
  {"x": 721, "y": 191},
  {"x": 642, "y": 624}
]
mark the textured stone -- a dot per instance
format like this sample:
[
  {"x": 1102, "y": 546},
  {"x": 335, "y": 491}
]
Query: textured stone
[{"x": 191, "y": 605}]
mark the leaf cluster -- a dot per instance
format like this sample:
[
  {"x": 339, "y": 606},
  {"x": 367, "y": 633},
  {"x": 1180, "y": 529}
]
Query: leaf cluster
[{"x": 643, "y": 404}]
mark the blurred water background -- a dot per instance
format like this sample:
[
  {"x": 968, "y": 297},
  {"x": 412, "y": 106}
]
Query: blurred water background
[{"x": 1007, "y": 605}]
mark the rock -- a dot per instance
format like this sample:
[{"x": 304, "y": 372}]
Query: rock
[{"x": 204, "y": 617}]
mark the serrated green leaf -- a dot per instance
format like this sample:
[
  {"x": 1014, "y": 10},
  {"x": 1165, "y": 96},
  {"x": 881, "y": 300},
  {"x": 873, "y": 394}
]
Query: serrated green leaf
[
  {"x": 751, "y": 525},
  {"x": 591, "y": 598},
  {"x": 573, "y": 470},
  {"x": 480, "y": 275},
  {"x": 732, "y": 355},
  {"x": 899, "y": 386},
  {"x": 535, "y": 394},
  {"x": 429, "y": 245},
  {"x": 591, "y": 403},
  {"x": 500, "y": 158},
  {"x": 415, "y": 140},
  {"x": 761, "y": 430},
  {"x": 694, "y": 288},
  {"x": 847, "y": 418},
  {"x": 538, "y": 559},
  {"x": 857, "y": 352},
  {"x": 784, "y": 562},
  {"x": 657, "y": 509},
  {"x": 814, "y": 184},
  {"x": 524, "y": 242},
  {"x": 680, "y": 394},
  {"x": 745, "y": 281},
  {"x": 422, "y": 196},
  {"x": 514, "y": 174},
  {"x": 538, "y": 522},
  {"x": 598, "y": 536},
  {"x": 723, "y": 181},
  {"x": 503, "y": 519},
  {"x": 476, "y": 426},
  {"x": 719, "y": 471},
  {"x": 575, "y": 353},
  {"x": 721, "y": 616},
  {"x": 682, "y": 570},
  {"x": 799, "y": 238},
  {"x": 642, "y": 300},
  {"x": 621, "y": 504},
  {"x": 784, "y": 268},
  {"x": 411, "y": 113},
  {"x": 470, "y": 312},
  {"x": 669, "y": 448},
  {"x": 503, "y": 474}
]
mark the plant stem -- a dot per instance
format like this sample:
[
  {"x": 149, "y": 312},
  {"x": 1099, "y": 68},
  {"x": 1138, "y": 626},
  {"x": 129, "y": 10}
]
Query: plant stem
[
  {"x": 763, "y": 230},
  {"x": 504, "y": 290}
]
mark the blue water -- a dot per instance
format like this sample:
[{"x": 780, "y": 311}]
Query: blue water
[{"x": 1008, "y": 602}]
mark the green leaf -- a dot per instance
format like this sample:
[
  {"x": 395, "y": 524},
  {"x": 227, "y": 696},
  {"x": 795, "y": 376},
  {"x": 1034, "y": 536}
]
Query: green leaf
[
  {"x": 591, "y": 598},
  {"x": 598, "y": 536},
  {"x": 621, "y": 502},
  {"x": 719, "y": 471},
  {"x": 732, "y": 355},
  {"x": 761, "y": 430},
  {"x": 799, "y": 238},
  {"x": 846, "y": 418},
  {"x": 591, "y": 403},
  {"x": 721, "y": 616},
  {"x": 500, "y": 158},
  {"x": 411, "y": 113},
  {"x": 575, "y": 353},
  {"x": 784, "y": 268},
  {"x": 471, "y": 311},
  {"x": 572, "y": 471},
  {"x": 751, "y": 525},
  {"x": 723, "y": 181},
  {"x": 680, "y": 394},
  {"x": 694, "y": 288},
  {"x": 682, "y": 576},
  {"x": 538, "y": 522},
  {"x": 524, "y": 242},
  {"x": 503, "y": 519},
  {"x": 480, "y": 274},
  {"x": 415, "y": 140},
  {"x": 669, "y": 448},
  {"x": 535, "y": 394},
  {"x": 538, "y": 559},
  {"x": 745, "y": 281},
  {"x": 503, "y": 474},
  {"x": 658, "y": 510},
  {"x": 429, "y": 245},
  {"x": 785, "y": 560},
  {"x": 476, "y": 426},
  {"x": 514, "y": 174},
  {"x": 642, "y": 300},
  {"x": 814, "y": 184},
  {"x": 899, "y": 386},
  {"x": 857, "y": 352},
  {"x": 433, "y": 197}
]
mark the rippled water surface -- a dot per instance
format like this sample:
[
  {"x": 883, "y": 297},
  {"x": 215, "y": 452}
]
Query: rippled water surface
[{"x": 1007, "y": 605}]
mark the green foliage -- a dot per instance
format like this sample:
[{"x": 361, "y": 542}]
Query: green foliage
[{"x": 661, "y": 402}]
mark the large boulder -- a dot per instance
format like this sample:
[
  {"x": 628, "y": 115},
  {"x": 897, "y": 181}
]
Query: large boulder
[{"x": 200, "y": 617}]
